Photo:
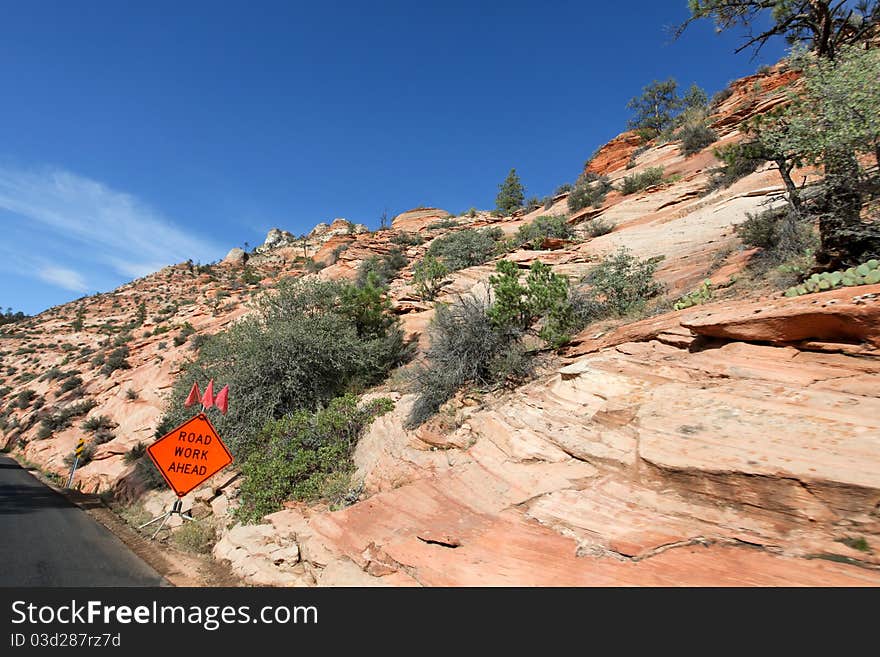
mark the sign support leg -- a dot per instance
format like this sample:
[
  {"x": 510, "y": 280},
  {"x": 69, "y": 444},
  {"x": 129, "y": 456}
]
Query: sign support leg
[
  {"x": 72, "y": 471},
  {"x": 175, "y": 510}
]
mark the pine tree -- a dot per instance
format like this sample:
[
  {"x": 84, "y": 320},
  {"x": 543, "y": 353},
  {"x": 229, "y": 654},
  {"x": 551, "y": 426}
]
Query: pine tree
[
  {"x": 511, "y": 194},
  {"x": 829, "y": 27},
  {"x": 826, "y": 25},
  {"x": 655, "y": 109}
]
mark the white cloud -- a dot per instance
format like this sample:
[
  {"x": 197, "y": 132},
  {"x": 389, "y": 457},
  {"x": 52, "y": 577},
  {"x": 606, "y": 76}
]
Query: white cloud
[
  {"x": 136, "y": 269},
  {"x": 61, "y": 277},
  {"x": 102, "y": 226}
]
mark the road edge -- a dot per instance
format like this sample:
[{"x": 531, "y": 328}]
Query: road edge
[{"x": 160, "y": 557}]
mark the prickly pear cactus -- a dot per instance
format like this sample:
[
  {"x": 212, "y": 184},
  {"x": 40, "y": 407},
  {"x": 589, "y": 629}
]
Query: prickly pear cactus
[
  {"x": 868, "y": 273},
  {"x": 695, "y": 298}
]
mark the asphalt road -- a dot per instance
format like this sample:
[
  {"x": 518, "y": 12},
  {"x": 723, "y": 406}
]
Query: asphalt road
[{"x": 47, "y": 541}]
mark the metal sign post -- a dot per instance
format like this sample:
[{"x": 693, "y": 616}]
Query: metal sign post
[
  {"x": 80, "y": 446},
  {"x": 175, "y": 510},
  {"x": 187, "y": 457},
  {"x": 192, "y": 453}
]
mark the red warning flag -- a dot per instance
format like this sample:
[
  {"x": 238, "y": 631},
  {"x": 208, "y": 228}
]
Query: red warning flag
[
  {"x": 195, "y": 396},
  {"x": 208, "y": 397},
  {"x": 222, "y": 401}
]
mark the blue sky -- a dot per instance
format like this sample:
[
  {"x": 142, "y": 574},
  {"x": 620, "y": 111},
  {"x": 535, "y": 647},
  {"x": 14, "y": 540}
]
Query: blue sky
[{"x": 134, "y": 135}]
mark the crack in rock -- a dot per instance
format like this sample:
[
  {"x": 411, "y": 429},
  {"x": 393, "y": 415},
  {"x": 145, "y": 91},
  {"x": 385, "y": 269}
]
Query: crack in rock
[{"x": 447, "y": 542}]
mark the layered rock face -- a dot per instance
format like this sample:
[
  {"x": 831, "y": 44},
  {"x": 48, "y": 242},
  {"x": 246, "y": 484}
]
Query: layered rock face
[
  {"x": 734, "y": 443},
  {"x": 282, "y": 248},
  {"x": 660, "y": 454},
  {"x": 235, "y": 257},
  {"x": 418, "y": 218},
  {"x": 276, "y": 238}
]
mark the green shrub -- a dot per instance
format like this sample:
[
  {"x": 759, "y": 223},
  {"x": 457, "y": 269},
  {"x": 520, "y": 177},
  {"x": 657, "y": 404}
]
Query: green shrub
[
  {"x": 599, "y": 226},
  {"x": 564, "y": 188},
  {"x": 131, "y": 394},
  {"x": 205, "y": 269},
  {"x": 116, "y": 360},
  {"x": 24, "y": 399},
  {"x": 77, "y": 324},
  {"x": 25, "y": 377},
  {"x": 622, "y": 283},
  {"x": 443, "y": 223},
  {"x": 466, "y": 248},
  {"x": 589, "y": 190},
  {"x": 695, "y": 137},
  {"x": 140, "y": 315},
  {"x": 313, "y": 266},
  {"x": 303, "y": 455},
  {"x": 369, "y": 309},
  {"x": 249, "y": 276},
  {"x": 639, "y": 181},
  {"x": 720, "y": 97},
  {"x": 198, "y": 537},
  {"x": 10, "y": 317},
  {"x": 631, "y": 162},
  {"x": 71, "y": 383},
  {"x": 759, "y": 229},
  {"x": 739, "y": 160},
  {"x": 103, "y": 436},
  {"x": 464, "y": 345},
  {"x": 404, "y": 238},
  {"x": 385, "y": 269},
  {"x": 428, "y": 275},
  {"x": 307, "y": 343},
  {"x": 198, "y": 341},
  {"x": 98, "y": 422},
  {"x": 543, "y": 299},
  {"x": 63, "y": 418},
  {"x": 338, "y": 251},
  {"x": 534, "y": 233},
  {"x": 512, "y": 366},
  {"x": 474, "y": 343},
  {"x": 147, "y": 474},
  {"x": 778, "y": 232},
  {"x": 135, "y": 453},
  {"x": 56, "y": 374},
  {"x": 179, "y": 340},
  {"x": 46, "y": 429},
  {"x": 533, "y": 204},
  {"x": 121, "y": 339}
]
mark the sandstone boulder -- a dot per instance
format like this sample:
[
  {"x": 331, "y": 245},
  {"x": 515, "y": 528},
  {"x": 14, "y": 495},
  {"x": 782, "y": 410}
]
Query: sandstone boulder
[
  {"x": 276, "y": 238},
  {"x": 849, "y": 314},
  {"x": 417, "y": 218},
  {"x": 236, "y": 257}
]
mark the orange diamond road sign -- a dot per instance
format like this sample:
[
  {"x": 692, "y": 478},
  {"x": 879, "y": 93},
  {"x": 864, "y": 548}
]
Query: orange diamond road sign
[{"x": 190, "y": 454}]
